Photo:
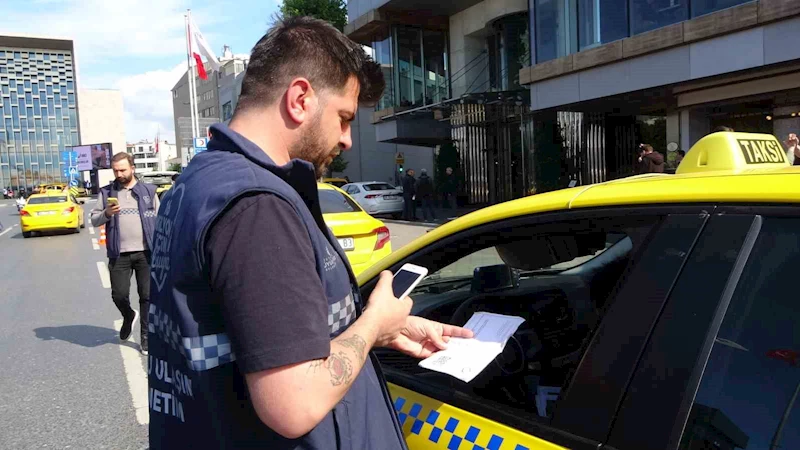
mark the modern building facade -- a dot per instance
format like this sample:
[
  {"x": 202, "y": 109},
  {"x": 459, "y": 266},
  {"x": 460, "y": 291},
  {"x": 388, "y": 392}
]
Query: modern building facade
[
  {"x": 102, "y": 118},
  {"x": 540, "y": 94},
  {"x": 216, "y": 97},
  {"x": 452, "y": 79},
  {"x": 146, "y": 159},
  {"x": 615, "y": 73},
  {"x": 39, "y": 109}
]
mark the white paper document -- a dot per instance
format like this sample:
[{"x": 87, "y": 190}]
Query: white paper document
[{"x": 466, "y": 358}]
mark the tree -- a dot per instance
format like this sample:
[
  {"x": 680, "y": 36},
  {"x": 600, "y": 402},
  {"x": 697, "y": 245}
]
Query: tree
[
  {"x": 339, "y": 164},
  {"x": 333, "y": 11},
  {"x": 174, "y": 167}
]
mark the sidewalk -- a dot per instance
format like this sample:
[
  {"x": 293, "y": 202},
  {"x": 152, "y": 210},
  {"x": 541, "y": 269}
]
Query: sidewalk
[{"x": 442, "y": 216}]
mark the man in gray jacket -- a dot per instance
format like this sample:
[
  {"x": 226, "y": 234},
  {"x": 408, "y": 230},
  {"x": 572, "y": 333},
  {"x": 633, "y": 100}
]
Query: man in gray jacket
[{"x": 130, "y": 226}]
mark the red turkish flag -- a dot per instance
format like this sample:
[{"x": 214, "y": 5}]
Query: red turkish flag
[{"x": 787, "y": 355}]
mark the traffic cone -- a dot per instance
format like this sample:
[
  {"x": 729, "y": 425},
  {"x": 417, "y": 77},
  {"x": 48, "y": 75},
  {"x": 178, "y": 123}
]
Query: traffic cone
[{"x": 102, "y": 240}]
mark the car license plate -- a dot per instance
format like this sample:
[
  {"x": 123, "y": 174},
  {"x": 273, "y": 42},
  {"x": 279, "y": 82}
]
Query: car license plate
[
  {"x": 347, "y": 243},
  {"x": 46, "y": 213},
  {"x": 390, "y": 197}
]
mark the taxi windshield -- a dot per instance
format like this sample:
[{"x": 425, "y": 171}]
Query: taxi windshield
[
  {"x": 44, "y": 200},
  {"x": 334, "y": 202}
]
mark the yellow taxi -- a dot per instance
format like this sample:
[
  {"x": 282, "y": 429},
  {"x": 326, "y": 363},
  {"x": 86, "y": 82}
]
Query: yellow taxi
[
  {"x": 364, "y": 239},
  {"x": 161, "y": 179},
  {"x": 51, "y": 211},
  {"x": 338, "y": 182},
  {"x": 660, "y": 312}
]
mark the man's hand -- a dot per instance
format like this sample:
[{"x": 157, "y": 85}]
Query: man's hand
[
  {"x": 112, "y": 210},
  {"x": 421, "y": 338},
  {"x": 385, "y": 311}
]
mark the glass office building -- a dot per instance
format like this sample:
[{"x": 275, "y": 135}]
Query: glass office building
[{"x": 38, "y": 113}]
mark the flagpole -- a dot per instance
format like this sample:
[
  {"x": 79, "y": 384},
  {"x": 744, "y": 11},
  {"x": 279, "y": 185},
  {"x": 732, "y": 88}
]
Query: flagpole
[
  {"x": 194, "y": 80},
  {"x": 190, "y": 76}
]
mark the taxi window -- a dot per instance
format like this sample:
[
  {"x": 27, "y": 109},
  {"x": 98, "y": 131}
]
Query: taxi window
[
  {"x": 332, "y": 202},
  {"x": 562, "y": 296},
  {"x": 747, "y": 396},
  {"x": 45, "y": 200}
]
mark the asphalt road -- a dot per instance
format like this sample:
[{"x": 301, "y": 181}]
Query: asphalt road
[{"x": 66, "y": 381}]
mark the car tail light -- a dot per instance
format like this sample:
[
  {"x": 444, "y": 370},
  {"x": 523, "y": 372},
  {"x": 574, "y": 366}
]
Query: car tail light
[
  {"x": 383, "y": 237},
  {"x": 24, "y": 213},
  {"x": 372, "y": 196},
  {"x": 68, "y": 210}
]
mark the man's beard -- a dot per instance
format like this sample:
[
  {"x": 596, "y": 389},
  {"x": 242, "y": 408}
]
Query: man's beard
[
  {"x": 311, "y": 148},
  {"x": 123, "y": 181}
]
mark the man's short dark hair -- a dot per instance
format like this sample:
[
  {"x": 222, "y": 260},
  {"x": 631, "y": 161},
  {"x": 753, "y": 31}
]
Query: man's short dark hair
[
  {"x": 681, "y": 152},
  {"x": 122, "y": 155},
  {"x": 309, "y": 48}
]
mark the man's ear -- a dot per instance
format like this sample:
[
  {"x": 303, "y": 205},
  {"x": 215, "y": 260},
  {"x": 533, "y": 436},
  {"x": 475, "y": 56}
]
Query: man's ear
[{"x": 300, "y": 100}]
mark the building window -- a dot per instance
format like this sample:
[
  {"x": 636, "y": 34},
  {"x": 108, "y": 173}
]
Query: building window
[
  {"x": 174, "y": 94},
  {"x": 382, "y": 53},
  {"x": 555, "y": 28},
  {"x": 600, "y": 22},
  {"x": 434, "y": 47},
  {"x": 648, "y": 15},
  {"x": 701, "y": 7},
  {"x": 227, "y": 111},
  {"x": 509, "y": 51},
  {"x": 409, "y": 66}
]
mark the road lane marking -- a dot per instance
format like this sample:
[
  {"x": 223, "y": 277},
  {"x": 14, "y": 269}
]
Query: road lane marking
[
  {"x": 4, "y": 232},
  {"x": 91, "y": 231},
  {"x": 16, "y": 225},
  {"x": 95, "y": 245},
  {"x": 105, "y": 278},
  {"x": 137, "y": 379}
]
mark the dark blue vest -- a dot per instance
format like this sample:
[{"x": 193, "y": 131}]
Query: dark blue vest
[
  {"x": 198, "y": 397},
  {"x": 145, "y": 195}
]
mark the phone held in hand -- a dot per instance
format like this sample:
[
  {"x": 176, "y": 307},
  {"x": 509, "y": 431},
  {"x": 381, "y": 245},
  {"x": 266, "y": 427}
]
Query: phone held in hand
[
  {"x": 406, "y": 279},
  {"x": 112, "y": 201}
]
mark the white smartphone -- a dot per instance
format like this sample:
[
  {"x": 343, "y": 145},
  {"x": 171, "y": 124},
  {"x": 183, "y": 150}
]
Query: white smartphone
[{"x": 406, "y": 279}]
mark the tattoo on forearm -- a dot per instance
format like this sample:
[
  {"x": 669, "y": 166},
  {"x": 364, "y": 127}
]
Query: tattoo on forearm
[
  {"x": 357, "y": 343},
  {"x": 315, "y": 365},
  {"x": 340, "y": 367}
]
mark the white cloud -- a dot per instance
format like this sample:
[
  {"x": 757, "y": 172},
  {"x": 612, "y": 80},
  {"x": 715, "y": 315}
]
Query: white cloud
[
  {"x": 113, "y": 36},
  {"x": 148, "y": 103}
]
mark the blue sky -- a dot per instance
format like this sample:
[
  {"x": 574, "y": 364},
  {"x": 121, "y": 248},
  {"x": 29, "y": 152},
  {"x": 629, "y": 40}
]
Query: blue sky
[{"x": 138, "y": 46}]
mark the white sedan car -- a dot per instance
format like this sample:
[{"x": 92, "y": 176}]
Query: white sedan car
[{"x": 377, "y": 197}]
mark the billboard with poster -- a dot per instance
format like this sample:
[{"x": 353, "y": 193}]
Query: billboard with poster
[{"x": 93, "y": 156}]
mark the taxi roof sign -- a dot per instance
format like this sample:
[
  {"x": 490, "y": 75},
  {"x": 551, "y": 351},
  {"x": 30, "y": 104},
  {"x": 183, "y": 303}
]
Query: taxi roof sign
[{"x": 734, "y": 152}]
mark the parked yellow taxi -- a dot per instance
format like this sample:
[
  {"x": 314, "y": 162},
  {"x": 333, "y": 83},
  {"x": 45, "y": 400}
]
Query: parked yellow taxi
[
  {"x": 51, "y": 211},
  {"x": 364, "y": 239},
  {"x": 660, "y": 312}
]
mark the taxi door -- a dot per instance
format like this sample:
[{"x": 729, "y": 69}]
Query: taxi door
[
  {"x": 441, "y": 414},
  {"x": 721, "y": 368}
]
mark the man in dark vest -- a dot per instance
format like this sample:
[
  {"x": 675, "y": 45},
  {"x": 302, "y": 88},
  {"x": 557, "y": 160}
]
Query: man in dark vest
[
  {"x": 259, "y": 337},
  {"x": 130, "y": 224}
]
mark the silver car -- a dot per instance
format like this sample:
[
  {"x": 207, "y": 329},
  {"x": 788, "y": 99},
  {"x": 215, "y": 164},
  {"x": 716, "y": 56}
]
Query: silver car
[{"x": 376, "y": 197}]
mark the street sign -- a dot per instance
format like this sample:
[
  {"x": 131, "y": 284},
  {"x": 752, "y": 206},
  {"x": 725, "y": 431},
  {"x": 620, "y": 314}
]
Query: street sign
[
  {"x": 399, "y": 158},
  {"x": 73, "y": 182},
  {"x": 200, "y": 143}
]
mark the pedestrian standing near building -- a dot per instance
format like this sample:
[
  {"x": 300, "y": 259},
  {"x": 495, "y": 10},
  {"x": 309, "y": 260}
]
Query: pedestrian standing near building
[
  {"x": 793, "y": 149},
  {"x": 425, "y": 192},
  {"x": 259, "y": 337},
  {"x": 130, "y": 226},
  {"x": 650, "y": 161},
  {"x": 409, "y": 196}
]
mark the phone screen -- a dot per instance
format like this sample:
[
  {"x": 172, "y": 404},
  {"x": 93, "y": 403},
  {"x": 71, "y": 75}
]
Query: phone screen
[{"x": 402, "y": 280}]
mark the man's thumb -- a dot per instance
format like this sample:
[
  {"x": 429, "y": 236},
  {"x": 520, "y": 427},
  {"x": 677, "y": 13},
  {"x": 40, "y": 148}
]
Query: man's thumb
[{"x": 385, "y": 279}]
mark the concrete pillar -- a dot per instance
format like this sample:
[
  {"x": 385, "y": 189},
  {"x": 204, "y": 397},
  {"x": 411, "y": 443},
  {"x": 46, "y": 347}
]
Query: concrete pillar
[
  {"x": 674, "y": 129},
  {"x": 693, "y": 126},
  {"x": 782, "y": 127}
]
